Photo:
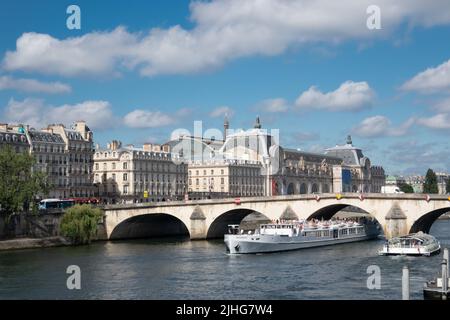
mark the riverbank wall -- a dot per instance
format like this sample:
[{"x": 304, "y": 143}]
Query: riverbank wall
[
  {"x": 31, "y": 243},
  {"x": 36, "y": 230},
  {"x": 30, "y": 225}
]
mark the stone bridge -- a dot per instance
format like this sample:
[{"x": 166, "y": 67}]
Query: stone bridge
[{"x": 398, "y": 214}]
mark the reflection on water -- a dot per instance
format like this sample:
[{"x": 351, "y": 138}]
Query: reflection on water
[{"x": 176, "y": 268}]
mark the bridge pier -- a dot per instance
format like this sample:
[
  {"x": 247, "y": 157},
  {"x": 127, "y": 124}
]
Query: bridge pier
[
  {"x": 396, "y": 222},
  {"x": 198, "y": 229}
]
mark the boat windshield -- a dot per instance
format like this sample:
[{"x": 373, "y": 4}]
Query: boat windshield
[{"x": 411, "y": 240}]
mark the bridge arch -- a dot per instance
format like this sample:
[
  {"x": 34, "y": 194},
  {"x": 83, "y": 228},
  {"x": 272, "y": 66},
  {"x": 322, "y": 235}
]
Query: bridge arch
[
  {"x": 425, "y": 221},
  {"x": 235, "y": 216},
  {"x": 149, "y": 226},
  {"x": 303, "y": 188},
  {"x": 290, "y": 189},
  {"x": 328, "y": 211}
]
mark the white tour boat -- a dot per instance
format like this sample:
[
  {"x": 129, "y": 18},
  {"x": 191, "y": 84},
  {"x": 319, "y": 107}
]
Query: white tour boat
[
  {"x": 301, "y": 234},
  {"x": 415, "y": 244}
]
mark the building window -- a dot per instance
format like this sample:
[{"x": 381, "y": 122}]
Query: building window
[
  {"x": 125, "y": 189},
  {"x": 96, "y": 165},
  {"x": 114, "y": 177},
  {"x": 125, "y": 177},
  {"x": 222, "y": 180},
  {"x": 114, "y": 166},
  {"x": 125, "y": 165}
]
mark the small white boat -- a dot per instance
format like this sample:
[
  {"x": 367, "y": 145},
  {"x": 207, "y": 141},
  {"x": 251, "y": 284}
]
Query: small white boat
[{"x": 415, "y": 244}]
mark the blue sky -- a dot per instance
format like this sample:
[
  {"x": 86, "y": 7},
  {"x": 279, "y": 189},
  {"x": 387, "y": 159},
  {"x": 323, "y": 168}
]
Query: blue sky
[{"x": 137, "y": 70}]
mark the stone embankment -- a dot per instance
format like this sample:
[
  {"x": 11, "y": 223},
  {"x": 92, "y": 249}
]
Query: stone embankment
[{"x": 31, "y": 243}]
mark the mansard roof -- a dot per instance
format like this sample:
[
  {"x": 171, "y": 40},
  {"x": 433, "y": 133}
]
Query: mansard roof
[{"x": 41, "y": 136}]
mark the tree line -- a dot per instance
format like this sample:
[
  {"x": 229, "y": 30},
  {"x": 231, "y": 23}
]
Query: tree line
[{"x": 430, "y": 185}]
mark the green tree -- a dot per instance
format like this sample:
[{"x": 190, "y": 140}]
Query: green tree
[
  {"x": 430, "y": 185},
  {"x": 19, "y": 184},
  {"x": 79, "y": 223},
  {"x": 406, "y": 188},
  {"x": 447, "y": 186}
]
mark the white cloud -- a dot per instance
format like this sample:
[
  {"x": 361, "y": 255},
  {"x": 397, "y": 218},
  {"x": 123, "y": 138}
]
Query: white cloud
[
  {"x": 350, "y": 96},
  {"x": 147, "y": 119},
  {"x": 97, "y": 114},
  {"x": 93, "y": 53},
  {"x": 274, "y": 105},
  {"x": 379, "y": 126},
  {"x": 222, "y": 112},
  {"x": 223, "y": 30},
  {"x": 431, "y": 80},
  {"x": 438, "y": 121},
  {"x": 443, "y": 105},
  {"x": 31, "y": 85}
]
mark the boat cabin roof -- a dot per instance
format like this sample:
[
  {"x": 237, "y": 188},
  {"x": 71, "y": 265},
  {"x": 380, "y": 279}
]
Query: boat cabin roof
[
  {"x": 277, "y": 226},
  {"x": 420, "y": 236}
]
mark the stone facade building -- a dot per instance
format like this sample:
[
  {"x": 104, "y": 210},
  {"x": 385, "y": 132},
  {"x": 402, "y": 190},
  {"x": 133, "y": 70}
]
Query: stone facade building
[
  {"x": 282, "y": 170},
  {"x": 79, "y": 148},
  {"x": 304, "y": 172},
  {"x": 65, "y": 155},
  {"x": 129, "y": 174},
  {"x": 225, "y": 178},
  {"x": 49, "y": 151},
  {"x": 358, "y": 175},
  {"x": 15, "y": 137}
]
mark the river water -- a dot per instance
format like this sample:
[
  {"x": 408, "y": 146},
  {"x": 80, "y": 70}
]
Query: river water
[{"x": 177, "y": 268}]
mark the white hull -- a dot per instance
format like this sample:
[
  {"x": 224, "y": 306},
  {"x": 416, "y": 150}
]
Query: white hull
[
  {"x": 409, "y": 251},
  {"x": 241, "y": 244}
]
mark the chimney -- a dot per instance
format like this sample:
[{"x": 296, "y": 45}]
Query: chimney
[
  {"x": 147, "y": 146},
  {"x": 156, "y": 147},
  {"x": 114, "y": 145},
  {"x": 80, "y": 126}
]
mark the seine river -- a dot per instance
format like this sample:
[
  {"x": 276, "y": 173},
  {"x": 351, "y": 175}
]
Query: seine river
[{"x": 181, "y": 269}]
